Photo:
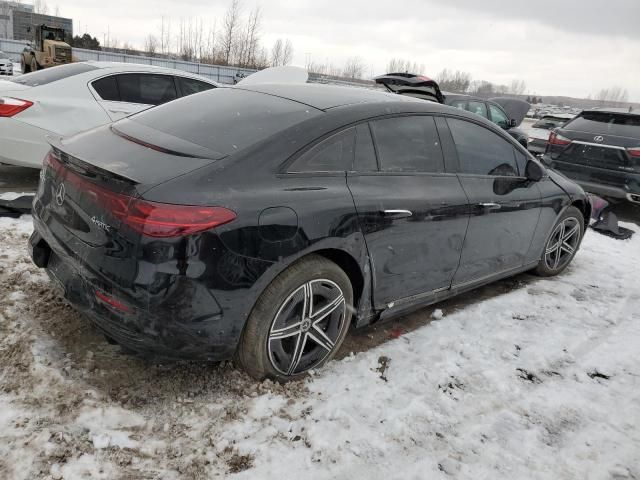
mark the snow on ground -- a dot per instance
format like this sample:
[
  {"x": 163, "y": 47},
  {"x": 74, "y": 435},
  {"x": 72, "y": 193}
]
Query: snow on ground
[{"x": 542, "y": 382}]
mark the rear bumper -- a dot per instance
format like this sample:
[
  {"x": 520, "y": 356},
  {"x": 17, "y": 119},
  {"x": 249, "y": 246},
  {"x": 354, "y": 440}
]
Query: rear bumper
[
  {"x": 182, "y": 321},
  {"x": 21, "y": 144}
]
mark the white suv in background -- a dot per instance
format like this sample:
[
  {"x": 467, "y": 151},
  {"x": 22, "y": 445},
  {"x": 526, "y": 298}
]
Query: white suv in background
[
  {"x": 6, "y": 65},
  {"x": 72, "y": 98}
]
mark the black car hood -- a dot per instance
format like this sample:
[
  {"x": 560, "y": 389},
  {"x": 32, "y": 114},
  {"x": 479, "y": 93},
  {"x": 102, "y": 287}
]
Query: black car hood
[
  {"x": 411, "y": 85},
  {"x": 514, "y": 107}
]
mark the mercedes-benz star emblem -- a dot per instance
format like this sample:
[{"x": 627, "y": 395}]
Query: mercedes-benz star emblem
[
  {"x": 60, "y": 193},
  {"x": 598, "y": 138}
]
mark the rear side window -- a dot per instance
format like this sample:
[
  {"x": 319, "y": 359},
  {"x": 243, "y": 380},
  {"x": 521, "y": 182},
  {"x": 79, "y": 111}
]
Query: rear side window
[
  {"x": 107, "y": 88},
  {"x": 408, "y": 144},
  {"x": 335, "y": 154},
  {"x": 481, "y": 151},
  {"x": 189, "y": 86},
  {"x": 148, "y": 89},
  {"x": 53, "y": 74},
  {"x": 606, "y": 123},
  {"x": 365, "y": 155},
  {"x": 226, "y": 120}
]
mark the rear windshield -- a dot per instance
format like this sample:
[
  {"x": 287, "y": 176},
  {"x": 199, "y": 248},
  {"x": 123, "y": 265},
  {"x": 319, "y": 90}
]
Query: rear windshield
[
  {"x": 549, "y": 123},
  {"x": 608, "y": 123},
  {"x": 225, "y": 120},
  {"x": 53, "y": 74}
]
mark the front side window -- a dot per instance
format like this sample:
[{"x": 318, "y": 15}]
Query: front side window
[
  {"x": 498, "y": 117},
  {"x": 335, "y": 154},
  {"x": 408, "y": 144},
  {"x": 481, "y": 151},
  {"x": 479, "y": 108},
  {"x": 145, "y": 88}
]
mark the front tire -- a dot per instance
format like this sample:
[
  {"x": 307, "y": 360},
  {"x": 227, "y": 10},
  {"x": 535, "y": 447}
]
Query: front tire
[
  {"x": 562, "y": 244},
  {"x": 298, "y": 322},
  {"x": 34, "y": 65}
]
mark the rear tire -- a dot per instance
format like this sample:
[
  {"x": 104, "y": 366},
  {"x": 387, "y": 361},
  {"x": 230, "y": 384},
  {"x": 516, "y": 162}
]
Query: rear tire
[
  {"x": 562, "y": 244},
  {"x": 299, "y": 321}
]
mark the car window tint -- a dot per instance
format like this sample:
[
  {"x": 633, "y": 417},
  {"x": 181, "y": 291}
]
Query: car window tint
[
  {"x": 226, "y": 120},
  {"x": 498, "y": 117},
  {"x": 145, "y": 88},
  {"x": 521, "y": 161},
  {"x": 107, "y": 88},
  {"x": 335, "y": 154},
  {"x": 365, "y": 155},
  {"x": 189, "y": 86},
  {"x": 50, "y": 75},
  {"x": 408, "y": 144},
  {"x": 479, "y": 108},
  {"x": 481, "y": 151}
]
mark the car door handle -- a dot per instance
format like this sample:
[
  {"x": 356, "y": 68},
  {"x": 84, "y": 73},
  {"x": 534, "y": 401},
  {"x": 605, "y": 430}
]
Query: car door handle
[
  {"x": 397, "y": 213},
  {"x": 491, "y": 206}
]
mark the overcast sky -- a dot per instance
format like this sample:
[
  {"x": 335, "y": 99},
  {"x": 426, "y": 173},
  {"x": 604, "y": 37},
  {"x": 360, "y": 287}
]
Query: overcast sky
[{"x": 559, "y": 47}]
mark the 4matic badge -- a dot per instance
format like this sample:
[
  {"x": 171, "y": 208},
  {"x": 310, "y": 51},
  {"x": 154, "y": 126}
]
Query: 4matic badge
[{"x": 101, "y": 224}]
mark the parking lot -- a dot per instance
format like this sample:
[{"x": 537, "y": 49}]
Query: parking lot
[{"x": 528, "y": 376}]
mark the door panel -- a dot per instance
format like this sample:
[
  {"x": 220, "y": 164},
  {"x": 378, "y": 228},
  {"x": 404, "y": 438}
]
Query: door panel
[
  {"x": 504, "y": 207},
  {"x": 504, "y": 214},
  {"x": 414, "y": 227}
]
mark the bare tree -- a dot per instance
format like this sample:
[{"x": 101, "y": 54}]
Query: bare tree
[
  {"x": 457, "y": 81},
  {"x": 165, "y": 36},
  {"x": 482, "y": 88},
  {"x": 517, "y": 87},
  {"x": 354, "y": 68},
  {"x": 398, "y": 65},
  {"x": 277, "y": 52},
  {"x": 40, "y": 6},
  {"x": 230, "y": 27},
  {"x": 287, "y": 52},
  {"x": 612, "y": 95},
  {"x": 151, "y": 45}
]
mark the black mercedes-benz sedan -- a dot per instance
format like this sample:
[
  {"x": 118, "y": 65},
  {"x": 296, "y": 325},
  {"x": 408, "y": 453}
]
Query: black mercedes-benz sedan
[{"x": 258, "y": 223}]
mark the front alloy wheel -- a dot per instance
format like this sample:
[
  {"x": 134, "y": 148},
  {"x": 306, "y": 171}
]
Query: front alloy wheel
[{"x": 562, "y": 244}]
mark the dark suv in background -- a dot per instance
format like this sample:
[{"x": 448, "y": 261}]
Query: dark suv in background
[{"x": 600, "y": 150}]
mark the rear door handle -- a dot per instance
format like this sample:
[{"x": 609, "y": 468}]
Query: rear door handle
[
  {"x": 397, "y": 213},
  {"x": 491, "y": 206}
]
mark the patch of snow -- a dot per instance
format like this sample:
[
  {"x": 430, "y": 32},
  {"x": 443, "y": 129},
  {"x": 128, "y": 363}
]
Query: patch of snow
[{"x": 537, "y": 383}]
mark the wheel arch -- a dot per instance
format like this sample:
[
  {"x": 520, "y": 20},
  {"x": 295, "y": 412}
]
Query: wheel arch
[
  {"x": 585, "y": 207},
  {"x": 349, "y": 265}
]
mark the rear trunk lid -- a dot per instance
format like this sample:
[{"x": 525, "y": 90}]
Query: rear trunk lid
[{"x": 86, "y": 186}]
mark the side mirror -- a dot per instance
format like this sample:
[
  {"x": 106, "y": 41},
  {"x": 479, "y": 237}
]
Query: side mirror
[
  {"x": 534, "y": 171},
  {"x": 513, "y": 123}
]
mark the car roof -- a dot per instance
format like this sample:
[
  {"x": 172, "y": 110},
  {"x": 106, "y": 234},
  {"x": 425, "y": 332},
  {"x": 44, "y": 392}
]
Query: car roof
[
  {"x": 624, "y": 110},
  {"x": 141, "y": 67},
  {"x": 324, "y": 97}
]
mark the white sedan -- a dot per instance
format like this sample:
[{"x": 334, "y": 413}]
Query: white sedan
[
  {"x": 6, "y": 65},
  {"x": 72, "y": 98}
]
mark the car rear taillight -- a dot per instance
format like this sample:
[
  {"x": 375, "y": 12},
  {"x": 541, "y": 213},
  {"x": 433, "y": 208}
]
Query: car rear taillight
[
  {"x": 634, "y": 152},
  {"x": 154, "y": 219},
  {"x": 556, "y": 139},
  {"x": 12, "y": 106}
]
